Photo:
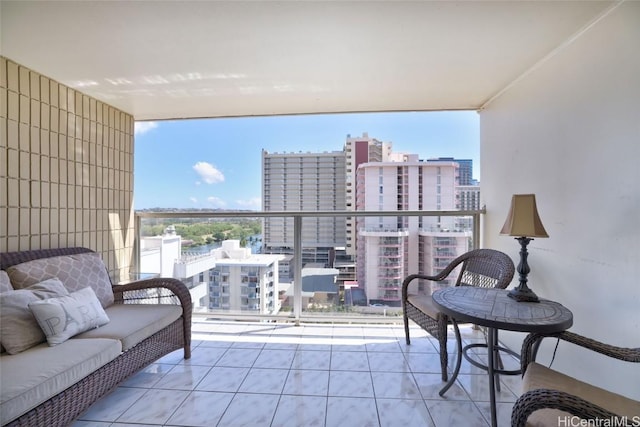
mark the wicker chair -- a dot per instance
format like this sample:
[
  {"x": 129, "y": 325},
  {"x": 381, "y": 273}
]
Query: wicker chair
[
  {"x": 550, "y": 396},
  {"x": 480, "y": 268}
]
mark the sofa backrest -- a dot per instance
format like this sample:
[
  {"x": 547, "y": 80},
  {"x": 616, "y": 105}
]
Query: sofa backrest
[
  {"x": 7, "y": 259},
  {"x": 76, "y": 267}
]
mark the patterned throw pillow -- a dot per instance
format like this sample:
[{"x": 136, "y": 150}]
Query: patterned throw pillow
[
  {"x": 63, "y": 317},
  {"x": 74, "y": 271},
  {"x": 18, "y": 328}
]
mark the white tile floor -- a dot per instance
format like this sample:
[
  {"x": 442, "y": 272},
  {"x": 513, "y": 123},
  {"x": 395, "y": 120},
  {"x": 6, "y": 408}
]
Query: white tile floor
[{"x": 266, "y": 374}]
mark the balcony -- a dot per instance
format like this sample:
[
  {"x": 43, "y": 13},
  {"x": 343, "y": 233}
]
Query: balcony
[
  {"x": 308, "y": 373},
  {"x": 558, "y": 107}
]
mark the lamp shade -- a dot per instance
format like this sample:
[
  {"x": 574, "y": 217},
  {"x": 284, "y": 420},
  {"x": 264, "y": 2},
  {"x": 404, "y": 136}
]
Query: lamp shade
[{"x": 523, "y": 219}]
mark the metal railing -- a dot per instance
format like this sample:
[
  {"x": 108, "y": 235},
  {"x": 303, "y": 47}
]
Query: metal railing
[{"x": 297, "y": 216}]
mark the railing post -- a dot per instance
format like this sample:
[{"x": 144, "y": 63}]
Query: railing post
[
  {"x": 297, "y": 268},
  {"x": 476, "y": 231}
]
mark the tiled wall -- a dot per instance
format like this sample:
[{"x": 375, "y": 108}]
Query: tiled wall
[{"x": 66, "y": 169}]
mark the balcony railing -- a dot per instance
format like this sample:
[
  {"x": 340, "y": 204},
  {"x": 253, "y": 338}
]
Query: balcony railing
[{"x": 328, "y": 307}]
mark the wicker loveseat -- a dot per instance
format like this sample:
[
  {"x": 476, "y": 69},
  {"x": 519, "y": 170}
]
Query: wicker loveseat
[
  {"x": 551, "y": 398},
  {"x": 51, "y": 385}
]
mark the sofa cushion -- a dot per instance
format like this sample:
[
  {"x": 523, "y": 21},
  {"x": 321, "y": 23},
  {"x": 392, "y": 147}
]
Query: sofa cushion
[
  {"x": 19, "y": 330},
  {"x": 5, "y": 285},
  {"x": 74, "y": 271},
  {"x": 540, "y": 377},
  {"x": 132, "y": 323},
  {"x": 63, "y": 317},
  {"x": 5, "y": 282},
  {"x": 37, "y": 374}
]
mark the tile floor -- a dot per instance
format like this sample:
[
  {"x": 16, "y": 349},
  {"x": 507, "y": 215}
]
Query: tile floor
[{"x": 267, "y": 374}]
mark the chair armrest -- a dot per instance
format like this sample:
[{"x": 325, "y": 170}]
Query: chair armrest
[
  {"x": 443, "y": 275},
  {"x": 532, "y": 341},
  {"x": 533, "y": 400},
  {"x": 167, "y": 291}
]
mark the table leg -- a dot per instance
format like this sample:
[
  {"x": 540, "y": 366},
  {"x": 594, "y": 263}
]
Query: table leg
[
  {"x": 497, "y": 359},
  {"x": 458, "y": 359},
  {"x": 492, "y": 377}
]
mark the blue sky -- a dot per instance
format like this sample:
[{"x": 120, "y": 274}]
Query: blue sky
[{"x": 216, "y": 163}]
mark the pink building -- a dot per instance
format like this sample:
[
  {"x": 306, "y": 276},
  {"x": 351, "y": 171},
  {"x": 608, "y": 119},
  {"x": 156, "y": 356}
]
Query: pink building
[{"x": 389, "y": 248}]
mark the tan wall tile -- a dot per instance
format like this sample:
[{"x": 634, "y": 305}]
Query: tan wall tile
[
  {"x": 13, "y": 77},
  {"x": 3, "y": 72},
  {"x": 69, "y": 164},
  {"x": 24, "y": 81},
  {"x": 3, "y": 102}
]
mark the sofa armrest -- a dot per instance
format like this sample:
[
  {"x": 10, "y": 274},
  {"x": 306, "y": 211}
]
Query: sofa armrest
[
  {"x": 534, "y": 400},
  {"x": 160, "y": 290},
  {"x": 532, "y": 341}
]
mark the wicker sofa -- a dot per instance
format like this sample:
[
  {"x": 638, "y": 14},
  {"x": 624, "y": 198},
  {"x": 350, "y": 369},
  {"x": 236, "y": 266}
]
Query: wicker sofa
[
  {"x": 52, "y": 385},
  {"x": 551, "y": 398}
]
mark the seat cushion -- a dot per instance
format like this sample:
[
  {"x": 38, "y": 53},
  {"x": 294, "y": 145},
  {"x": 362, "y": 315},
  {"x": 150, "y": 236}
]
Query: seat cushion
[
  {"x": 74, "y": 271},
  {"x": 540, "y": 377},
  {"x": 39, "y": 373},
  {"x": 425, "y": 304},
  {"x": 132, "y": 323}
]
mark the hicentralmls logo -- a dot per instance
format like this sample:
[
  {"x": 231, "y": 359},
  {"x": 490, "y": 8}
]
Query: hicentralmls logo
[{"x": 574, "y": 421}]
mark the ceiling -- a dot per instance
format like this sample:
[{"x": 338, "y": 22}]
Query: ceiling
[{"x": 189, "y": 59}]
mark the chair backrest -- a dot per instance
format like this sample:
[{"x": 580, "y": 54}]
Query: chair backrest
[{"x": 486, "y": 268}]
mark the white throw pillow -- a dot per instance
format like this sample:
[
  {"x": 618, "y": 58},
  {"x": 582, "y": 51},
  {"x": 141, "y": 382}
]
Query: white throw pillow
[
  {"x": 63, "y": 317},
  {"x": 18, "y": 328}
]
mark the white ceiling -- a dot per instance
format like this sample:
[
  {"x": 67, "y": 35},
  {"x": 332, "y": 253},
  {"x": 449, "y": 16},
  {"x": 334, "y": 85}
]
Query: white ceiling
[{"x": 184, "y": 59}]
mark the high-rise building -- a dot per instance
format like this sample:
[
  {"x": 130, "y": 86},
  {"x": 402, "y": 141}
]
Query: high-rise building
[
  {"x": 307, "y": 182},
  {"x": 465, "y": 172},
  {"x": 388, "y": 247},
  {"x": 359, "y": 150}
]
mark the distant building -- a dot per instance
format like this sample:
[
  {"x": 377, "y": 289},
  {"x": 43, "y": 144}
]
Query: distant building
[
  {"x": 391, "y": 247},
  {"x": 465, "y": 171},
  {"x": 242, "y": 281},
  {"x": 307, "y": 182}
]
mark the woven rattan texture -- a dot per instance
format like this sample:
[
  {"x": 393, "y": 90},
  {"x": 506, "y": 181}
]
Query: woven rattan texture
[
  {"x": 65, "y": 407},
  {"x": 537, "y": 399},
  {"x": 479, "y": 268}
]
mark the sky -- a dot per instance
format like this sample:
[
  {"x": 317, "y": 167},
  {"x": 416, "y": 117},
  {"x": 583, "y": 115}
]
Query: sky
[{"x": 217, "y": 163}]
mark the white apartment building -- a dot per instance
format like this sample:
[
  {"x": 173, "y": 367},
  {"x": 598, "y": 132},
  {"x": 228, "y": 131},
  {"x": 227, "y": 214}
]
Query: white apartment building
[
  {"x": 304, "y": 182},
  {"x": 359, "y": 150},
  {"x": 390, "y": 248},
  {"x": 242, "y": 281},
  {"x": 161, "y": 256}
]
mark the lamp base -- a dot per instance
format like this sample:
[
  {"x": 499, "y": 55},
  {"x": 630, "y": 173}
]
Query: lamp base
[{"x": 525, "y": 294}]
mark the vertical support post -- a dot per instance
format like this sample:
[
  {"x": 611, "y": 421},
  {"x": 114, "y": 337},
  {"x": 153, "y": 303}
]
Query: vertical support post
[
  {"x": 297, "y": 268},
  {"x": 136, "y": 244},
  {"x": 476, "y": 231}
]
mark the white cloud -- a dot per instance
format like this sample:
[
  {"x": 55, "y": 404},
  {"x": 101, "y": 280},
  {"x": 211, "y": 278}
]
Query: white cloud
[
  {"x": 255, "y": 203},
  {"x": 144, "y": 127},
  {"x": 208, "y": 172},
  {"x": 216, "y": 202},
  {"x": 193, "y": 200}
]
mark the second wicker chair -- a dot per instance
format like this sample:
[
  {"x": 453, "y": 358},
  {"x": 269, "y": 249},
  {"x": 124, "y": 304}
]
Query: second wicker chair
[{"x": 480, "y": 268}]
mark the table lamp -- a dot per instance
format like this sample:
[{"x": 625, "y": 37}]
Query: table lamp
[{"x": 523, "y": 221}]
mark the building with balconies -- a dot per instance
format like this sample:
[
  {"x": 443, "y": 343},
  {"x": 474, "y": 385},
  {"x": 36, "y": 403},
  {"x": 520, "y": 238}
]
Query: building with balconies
[
  {"x": 242, "y": 281},
  {"x": 303, "y": 182},
  {"x": 389, "y": 248}
]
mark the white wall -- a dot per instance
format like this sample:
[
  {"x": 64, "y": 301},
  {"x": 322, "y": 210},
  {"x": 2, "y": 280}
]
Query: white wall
[{"x": 569, "y": 131}]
